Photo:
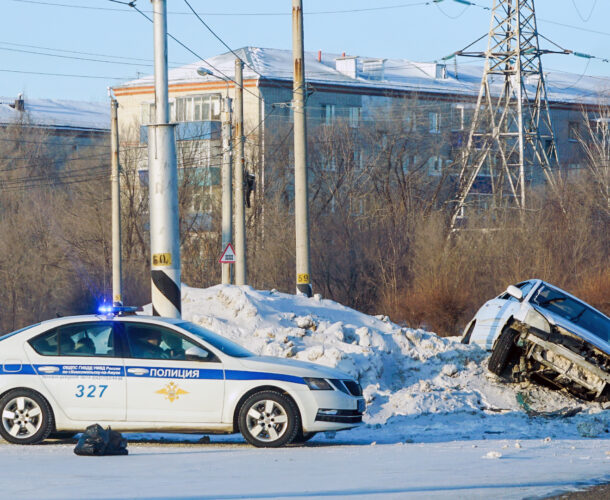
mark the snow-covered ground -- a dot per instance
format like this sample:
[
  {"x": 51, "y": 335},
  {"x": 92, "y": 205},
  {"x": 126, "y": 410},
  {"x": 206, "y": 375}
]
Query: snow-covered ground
[
  {"x": 437, "y": 423},
  {"x": 463, "y": 469}
]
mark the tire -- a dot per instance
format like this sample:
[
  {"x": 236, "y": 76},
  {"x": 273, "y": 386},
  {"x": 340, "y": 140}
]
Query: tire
[
  {"x": 303, "y": 437},
  {"x": 25, "y": 417},
  {"x": 268, "y": 419},
  {"x": 503, "y": 348}
]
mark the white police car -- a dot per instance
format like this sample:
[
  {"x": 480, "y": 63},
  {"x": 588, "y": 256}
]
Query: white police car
[{"x": 139, "y": 373}]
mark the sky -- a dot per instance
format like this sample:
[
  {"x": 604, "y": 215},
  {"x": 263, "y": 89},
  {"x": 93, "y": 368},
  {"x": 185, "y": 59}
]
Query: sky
[{"x": 46, "y": 45}]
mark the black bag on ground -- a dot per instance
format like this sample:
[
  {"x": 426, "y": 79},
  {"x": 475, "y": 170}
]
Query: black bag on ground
[{"x": 97, "y": 441}]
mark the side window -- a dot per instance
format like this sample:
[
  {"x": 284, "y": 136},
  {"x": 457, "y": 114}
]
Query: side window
[
  {"x": 155, "y": 342},
  {"x": 81, "y": 339},
  {"x": 46, "y": 344}
]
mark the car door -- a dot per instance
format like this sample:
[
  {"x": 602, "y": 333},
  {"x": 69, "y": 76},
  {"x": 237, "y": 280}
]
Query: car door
[
  {"x": 170, "y": 377},
  {"x": 81, "y": 366}
]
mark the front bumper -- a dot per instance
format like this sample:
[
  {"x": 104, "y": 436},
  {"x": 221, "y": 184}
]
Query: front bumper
[{"x": 351, "y": 417}]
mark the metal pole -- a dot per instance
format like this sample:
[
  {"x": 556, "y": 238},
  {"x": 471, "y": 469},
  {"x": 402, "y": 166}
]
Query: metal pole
[
  {"x": 227, "y": 186},
  {"x": 301, "y": 209},
  {"x": 117, "y": 289},
  {"x": 240, "y": 215},
  {"x": 163, "y": 184}
]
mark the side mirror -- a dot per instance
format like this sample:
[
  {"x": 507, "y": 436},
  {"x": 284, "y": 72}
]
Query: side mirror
[
  {"x": 197, "y": 354},
  {"x": 513, "y": 291}
]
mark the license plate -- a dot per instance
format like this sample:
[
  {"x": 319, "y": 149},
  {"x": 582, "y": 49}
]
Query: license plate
[{"x": 361, "y": 405}]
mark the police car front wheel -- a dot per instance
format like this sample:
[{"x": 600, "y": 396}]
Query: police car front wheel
[
  {"x": 269, "y": 419},
  {"x": 26, "y": 417}
]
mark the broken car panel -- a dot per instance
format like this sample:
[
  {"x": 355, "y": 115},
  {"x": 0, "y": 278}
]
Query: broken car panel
[{"x": 538, "y": 331}]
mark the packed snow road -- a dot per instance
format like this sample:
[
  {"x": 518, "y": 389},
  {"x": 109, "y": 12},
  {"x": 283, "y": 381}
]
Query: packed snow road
[{"x": 322, "y": 469}]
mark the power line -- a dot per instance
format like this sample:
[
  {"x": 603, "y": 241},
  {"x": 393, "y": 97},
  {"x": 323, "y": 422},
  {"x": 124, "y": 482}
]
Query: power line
[
  {"x": 226, "y": 77},
  {"x": 220, "y": 39},
  {"x": 238, "y": 14},
  {"x": 588, "y": 17},
  {"x": 73, "y": 57},
  {"x": 62, "y": 74}
]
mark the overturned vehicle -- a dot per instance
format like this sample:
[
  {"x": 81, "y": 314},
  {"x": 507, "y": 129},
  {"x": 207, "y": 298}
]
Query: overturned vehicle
[{"x": 536, "y": 331}]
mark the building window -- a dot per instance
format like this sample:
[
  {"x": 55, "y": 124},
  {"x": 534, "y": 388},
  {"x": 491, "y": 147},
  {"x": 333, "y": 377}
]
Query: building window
[
  {"x": 573, "y": 131},
  {"x": 409, "y": 162},
  {"x": 457, "y": 119},
  {"x": 435, "y": 166},
  {"x": 354, "y": 117},
  {"x": 435, "y": 122},
  {"x": 198, "y": 108},
  {"x": 328, "y": 113},
  {"x": 147, "y": 113},
  {"x": 410, "y": 120},
  {"x": 358, "y": 160}
]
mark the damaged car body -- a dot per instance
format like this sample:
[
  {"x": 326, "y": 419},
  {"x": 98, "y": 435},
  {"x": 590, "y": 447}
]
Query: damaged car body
[{"x": 538, "y": 331}]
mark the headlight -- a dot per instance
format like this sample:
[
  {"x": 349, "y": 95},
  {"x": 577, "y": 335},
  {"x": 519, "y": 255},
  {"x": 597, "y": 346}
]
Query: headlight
[
  {"x": 318, "y": 384},
  {"x": 537, "y": 320}
]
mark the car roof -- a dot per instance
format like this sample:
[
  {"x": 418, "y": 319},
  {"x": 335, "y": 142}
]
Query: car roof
[{"x": 101, "y": 317}]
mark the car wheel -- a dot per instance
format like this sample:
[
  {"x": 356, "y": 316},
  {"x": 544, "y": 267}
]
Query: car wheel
[
  {"x": 269, "y": 419},
  {"x": 26, "y": 417},
  {"x": 502, "y": 351},
  {"x": 303, "y": 437}
]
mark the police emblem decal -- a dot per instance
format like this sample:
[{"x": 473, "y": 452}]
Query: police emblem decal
[{"x": 172, "y": 392}]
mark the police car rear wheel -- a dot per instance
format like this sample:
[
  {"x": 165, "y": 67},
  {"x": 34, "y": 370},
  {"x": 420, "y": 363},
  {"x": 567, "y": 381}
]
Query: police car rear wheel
[
  {"x": 269, "y": 419},
  {"x": 26, "y": 417}
]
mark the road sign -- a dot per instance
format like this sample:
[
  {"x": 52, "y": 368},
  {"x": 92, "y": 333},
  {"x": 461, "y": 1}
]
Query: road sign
[{"x": 228, "y": 256}]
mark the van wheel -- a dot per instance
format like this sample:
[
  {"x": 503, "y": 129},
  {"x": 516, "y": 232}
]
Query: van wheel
[
  {"x": 26, "y": 417},
  {"x": 502, "y": 351},
  {"x": 269, "y": 419}
]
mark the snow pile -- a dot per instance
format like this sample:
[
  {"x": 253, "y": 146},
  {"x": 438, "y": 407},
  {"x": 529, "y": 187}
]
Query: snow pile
[{"x": 418, "y": 386}]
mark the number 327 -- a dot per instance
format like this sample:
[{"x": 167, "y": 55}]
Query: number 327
[{"x": 91, "y": 391}]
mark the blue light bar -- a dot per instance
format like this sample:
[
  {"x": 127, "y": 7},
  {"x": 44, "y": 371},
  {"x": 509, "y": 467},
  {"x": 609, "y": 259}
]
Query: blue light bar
[{"x": 115, "y": 310}]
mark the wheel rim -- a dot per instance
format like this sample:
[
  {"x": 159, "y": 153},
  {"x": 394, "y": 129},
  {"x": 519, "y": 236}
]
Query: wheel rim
[
  {"x": 267, "y": 420},
  {"x": 22, "y": 417}
]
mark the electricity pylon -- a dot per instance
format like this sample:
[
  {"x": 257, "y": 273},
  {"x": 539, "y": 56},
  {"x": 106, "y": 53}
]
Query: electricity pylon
[{"x": 511, "y": 140}]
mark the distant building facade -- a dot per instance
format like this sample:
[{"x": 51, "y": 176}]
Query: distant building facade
[{"x": 352, "y": 90}]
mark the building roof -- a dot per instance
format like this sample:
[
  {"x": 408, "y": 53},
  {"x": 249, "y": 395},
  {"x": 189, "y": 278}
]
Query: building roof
[
  {"x": 57, "y": 114},
  {"x": 397, "y": 75}
]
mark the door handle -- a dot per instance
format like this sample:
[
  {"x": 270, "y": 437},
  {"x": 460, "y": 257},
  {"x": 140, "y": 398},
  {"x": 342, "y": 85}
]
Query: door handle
[
  {"x": 137, "y": 371},
  {"x": 48, "y": 369}
]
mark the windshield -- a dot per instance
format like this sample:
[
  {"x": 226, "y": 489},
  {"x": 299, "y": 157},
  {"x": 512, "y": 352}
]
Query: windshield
[
  {"x": 574, "y": 311},
  {"x": 6, "y": 336},
  {"x": 218, "y": 341}
]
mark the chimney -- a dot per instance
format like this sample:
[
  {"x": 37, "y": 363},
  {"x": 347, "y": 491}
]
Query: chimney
[
  {"x": 319, "y": 56},
  {"x": 19, "y": 103},
  {"x": 441, "y": 72},
  {"x": 346, "y": 66}
]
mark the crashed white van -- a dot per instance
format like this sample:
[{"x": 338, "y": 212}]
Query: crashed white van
[{"x": 536, "y": 330}]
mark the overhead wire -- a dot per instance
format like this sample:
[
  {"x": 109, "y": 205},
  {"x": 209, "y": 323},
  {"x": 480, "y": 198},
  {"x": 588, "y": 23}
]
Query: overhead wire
[{"x": 587, "y": 18}]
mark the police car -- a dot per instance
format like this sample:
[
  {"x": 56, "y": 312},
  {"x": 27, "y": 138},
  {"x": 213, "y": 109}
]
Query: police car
[{"x": 153, "y": 374}]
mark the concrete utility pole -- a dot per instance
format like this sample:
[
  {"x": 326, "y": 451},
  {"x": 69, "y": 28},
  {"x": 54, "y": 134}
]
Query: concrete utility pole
[
  {"x": 240, "y": 212},
  {"x": 227, "y": 186},
  {"x": 163, "y": 184},
  {"x": 117, "y": 288},
  {"x": 301, "y": 208}
]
